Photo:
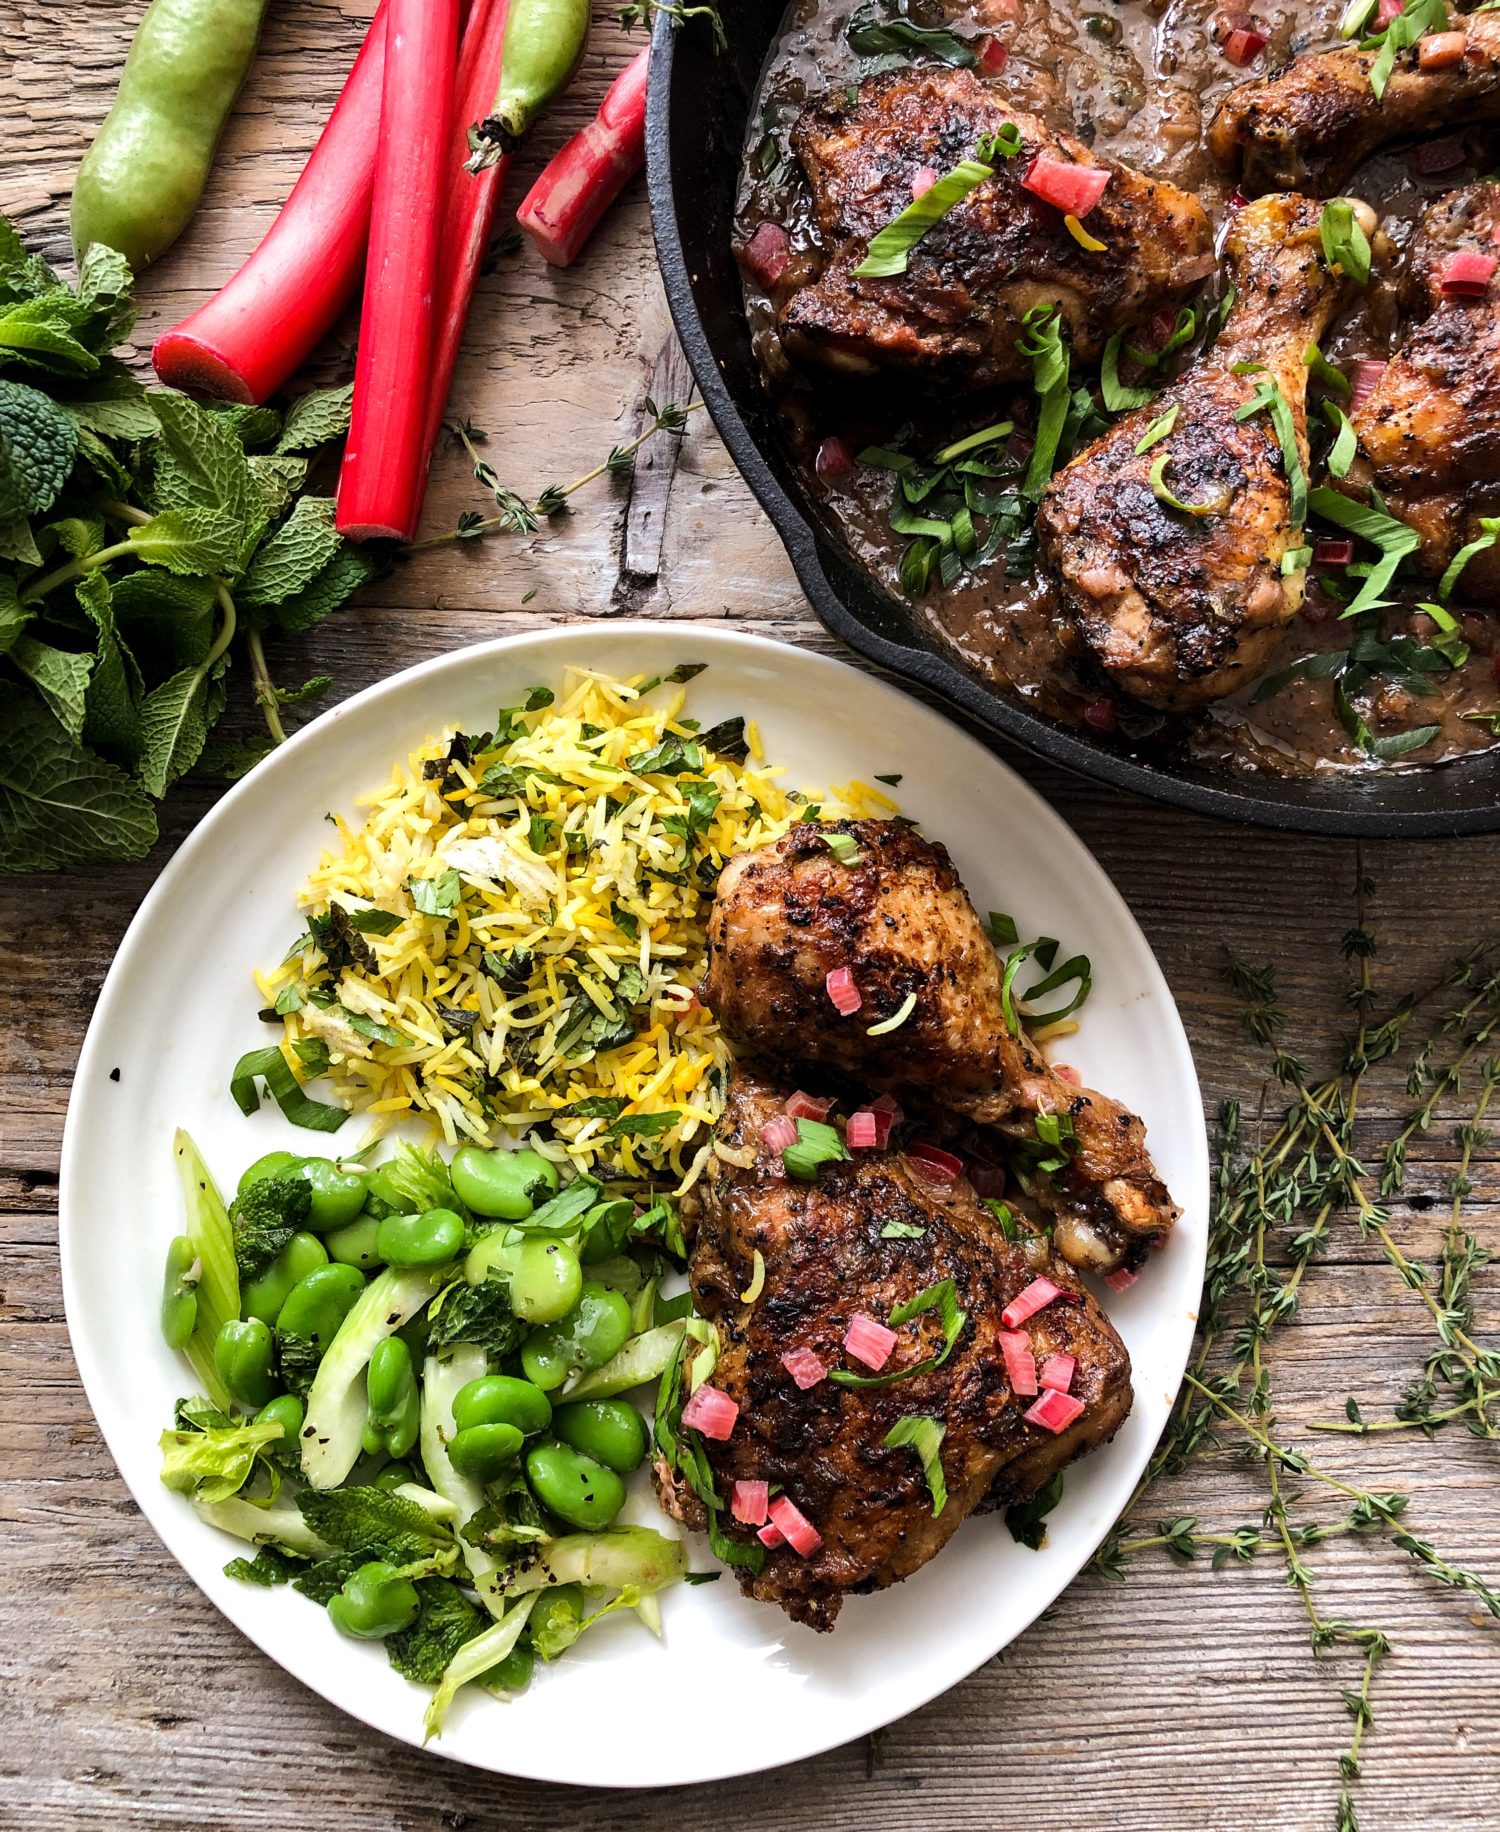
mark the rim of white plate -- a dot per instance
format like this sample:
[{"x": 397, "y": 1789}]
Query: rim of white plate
[{"x": 162, "y": 1509}]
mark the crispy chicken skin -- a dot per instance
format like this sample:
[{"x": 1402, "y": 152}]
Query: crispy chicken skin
[
  {"x": 1312, "y": 124},
  {"x": 1431, "y": 428},
  {"x": 973, "y": 277},
  {"x": 901, "y": 921},
  {"x": 825, "y": 1258},
  {"x": 1180, "y": 609}
]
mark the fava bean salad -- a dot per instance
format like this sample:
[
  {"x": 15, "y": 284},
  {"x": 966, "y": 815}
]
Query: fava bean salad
[{"x": 412, "y": 1397}]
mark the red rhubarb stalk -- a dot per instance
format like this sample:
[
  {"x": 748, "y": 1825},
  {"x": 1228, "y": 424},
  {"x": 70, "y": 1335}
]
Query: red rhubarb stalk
[
  {"x": 565, "y": 205},
  {"x": 244, "y": 343},
  {"x": 385, "y": 462},
  {"x": 472, "y": 198}
]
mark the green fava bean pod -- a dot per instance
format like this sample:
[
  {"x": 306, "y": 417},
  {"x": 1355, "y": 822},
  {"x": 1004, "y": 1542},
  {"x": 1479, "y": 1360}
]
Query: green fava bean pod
[
  {"x": 593, "y": 1331},
  {"x": 375, "y": 1601},
  {"x": 264, "y": 1297},
  {"x": 318, "y": 1304},
  {"x": 394, "y": 1401},
  {"x": 546, "y": 1280},
  {"x": 482, "y": 1452},
  {"x": 502, "y": 1185},
  {"x": 500, "y": 1399},
  {"x": 544, "y": 45},
  {"x": 337, "y": 1195},
  {"x": 420, "y": 1240},
  {"x": 179, "y": 1293},
  {"x": 357, "y": 1244},
  {"x": 141, "y": 180},
  {"x": 610, "y": 1431},
  {"x": 243, "y": 1354},
  {"x": 574, "y": 1487}
]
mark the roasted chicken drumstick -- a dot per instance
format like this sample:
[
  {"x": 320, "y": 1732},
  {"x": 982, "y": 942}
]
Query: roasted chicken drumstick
[
  {"x": 1310, "y": 126},
  {"x": 1166, "y": 536},
  {"x": 973, "y": 277},
  {"x": 899, "y": 920},
  {"x": 826, "y": 1256},
  {"x": 1431, "y": 427}
]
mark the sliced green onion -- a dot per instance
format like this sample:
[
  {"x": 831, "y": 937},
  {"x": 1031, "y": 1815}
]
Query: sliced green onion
[
  {"x": 1394, "y": 539},
  {"x": 1321, "y": 370},
  {"x": 988, "y": 435},
  {"x": 1163, "y": 492},
  {"x": 1345, "y": 244},
  {"x": 1295, "y": 559},
  {"x": 1341, "y": 453},
  {"x": 1268, "y": 397},
  {"x": 890, "y": 247},
  {"x": 271, "y": 1067},
  {"x": 1041, "y": 339},
  {"x": 844, "y": 847},
  {"x": 1158, "y": 429},
  {"x": 1491, "y": 526},
  {"x": 924, "y": 1436},
  {"x": 1112, "y": 391},
  {"x": 897, "y": 1018},
  {"x": 1004, "y": 143}
]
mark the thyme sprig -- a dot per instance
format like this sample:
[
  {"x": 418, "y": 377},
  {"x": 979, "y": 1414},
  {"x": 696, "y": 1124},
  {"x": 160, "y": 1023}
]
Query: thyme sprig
[
  {"x": 1288, "y": 1182},
  {"x": 516, "y": 514}
]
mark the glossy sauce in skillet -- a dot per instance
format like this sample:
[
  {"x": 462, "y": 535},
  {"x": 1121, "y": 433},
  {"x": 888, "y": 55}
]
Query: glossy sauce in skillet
[{"x": 1140, "y": 83}]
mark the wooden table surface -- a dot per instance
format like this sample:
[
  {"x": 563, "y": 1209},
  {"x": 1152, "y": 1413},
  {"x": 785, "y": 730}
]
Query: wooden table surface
[{"x": 1182, "y": 1700}]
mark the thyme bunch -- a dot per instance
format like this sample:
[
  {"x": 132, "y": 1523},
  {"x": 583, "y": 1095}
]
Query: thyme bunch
[{"x": 1285, "y": 1186}]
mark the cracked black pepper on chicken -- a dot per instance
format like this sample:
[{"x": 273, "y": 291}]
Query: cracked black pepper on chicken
[{"x": 1175, "y": 597}]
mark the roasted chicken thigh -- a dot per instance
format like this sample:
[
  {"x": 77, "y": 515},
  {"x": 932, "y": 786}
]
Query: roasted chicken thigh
[
  {"x": 958, "y": 309},
  {"x": 829, "y": 1251},
  {"x": 1166, "y": 536},
  {"x": 898, "y": 918},
  {"x": 1310, "y": 126}
]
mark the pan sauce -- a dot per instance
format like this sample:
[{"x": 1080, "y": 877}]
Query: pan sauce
[{"x": 1139, "y": 83}]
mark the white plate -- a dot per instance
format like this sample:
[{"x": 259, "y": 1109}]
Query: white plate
[{"x": 179, "y": 1007}]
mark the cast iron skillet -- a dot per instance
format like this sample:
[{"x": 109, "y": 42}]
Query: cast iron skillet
[{"x": 699, "y": 105}]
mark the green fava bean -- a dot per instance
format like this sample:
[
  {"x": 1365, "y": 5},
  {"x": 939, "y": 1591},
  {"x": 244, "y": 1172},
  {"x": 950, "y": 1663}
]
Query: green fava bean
[
  {"x": 574, "y": 1487},
  {"x": 513, "y": 1674},
  {"x": 502, "y": 1185},
  {"x": 318, "y": 1304},
  {"x": 337, "y": 1195},
  {"x": 286, "y": 1411},
  {"x": 357, "y": 1244},
  {"x": 384, "y": 1192},
  {"x": 375, "y": 1601},
  {"x": 420, "y": 1240},
  {"x": 610, "y": 1431},
  {"x": 395, "y": 1404},
  {"x": 553, "y": 1624},
  {"x": 179, "y": 1293},
  {"x": 264, "y": 1297},
  {"x": 141, "y": 180},
  {"x": 593, "y": 1331},
  {"x": 273, "y": 1164},
  {"x": 483, "y": 1451},
  {"x": 243, "y": 1353},
  {"x": 393, "y": 1475},
  {"x": 546, "y": 1280},
  {"x": 500, "y": 1399}
]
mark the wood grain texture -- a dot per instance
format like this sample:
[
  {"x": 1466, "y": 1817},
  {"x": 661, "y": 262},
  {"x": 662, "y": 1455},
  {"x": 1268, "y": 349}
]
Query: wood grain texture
[{"x": 1181, "y": 1701}]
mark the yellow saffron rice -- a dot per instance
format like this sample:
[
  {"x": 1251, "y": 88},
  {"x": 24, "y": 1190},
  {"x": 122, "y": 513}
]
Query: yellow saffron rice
[{"x": 511, "y": 938}]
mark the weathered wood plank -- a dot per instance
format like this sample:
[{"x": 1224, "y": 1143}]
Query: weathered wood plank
[{"x": 1182, "y": 1700}]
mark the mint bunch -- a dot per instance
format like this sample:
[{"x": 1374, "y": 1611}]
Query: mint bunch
[{"x": 143, "y": 537}]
